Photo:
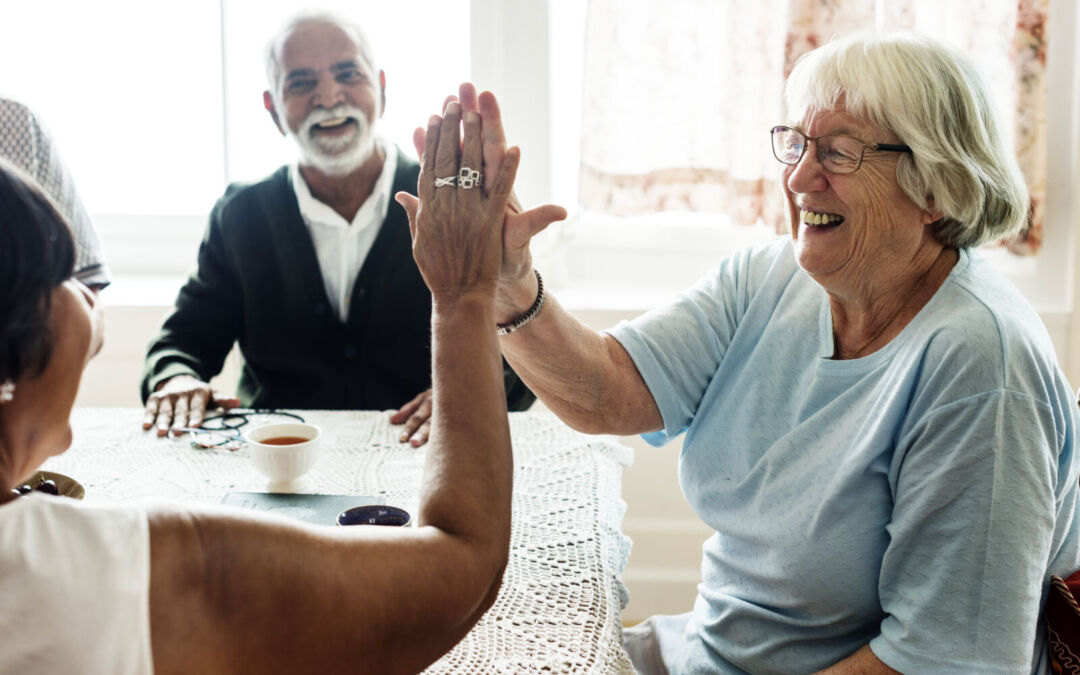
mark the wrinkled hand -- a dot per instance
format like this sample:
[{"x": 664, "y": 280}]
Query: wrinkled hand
[
  {"x": 416, "y": 415},
  {"x": 457, "y": 232},
  {"x": 519, "y": 226},
  {"x": 181, "y": 402}
]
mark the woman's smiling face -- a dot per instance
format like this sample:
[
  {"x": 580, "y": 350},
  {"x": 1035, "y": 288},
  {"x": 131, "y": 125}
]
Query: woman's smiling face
[{"x": 850, "y": 228}]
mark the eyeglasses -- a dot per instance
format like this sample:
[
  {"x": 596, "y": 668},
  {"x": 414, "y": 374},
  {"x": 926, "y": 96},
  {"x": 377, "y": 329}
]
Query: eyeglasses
[
  {"x": 223, "y": 431},
  {"x": 837, "y": 154}
]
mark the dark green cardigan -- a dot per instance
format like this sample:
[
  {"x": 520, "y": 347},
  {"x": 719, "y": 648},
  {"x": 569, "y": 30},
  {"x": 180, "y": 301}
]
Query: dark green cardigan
[{"x": 258, "y": 283}]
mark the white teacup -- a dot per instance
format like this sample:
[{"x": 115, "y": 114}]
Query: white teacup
[{"x": 284, "y": 452}]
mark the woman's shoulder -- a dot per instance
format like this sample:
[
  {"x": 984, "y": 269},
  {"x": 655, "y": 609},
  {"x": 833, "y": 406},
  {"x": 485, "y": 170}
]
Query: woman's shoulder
[
  {"x": 75, "y": 585},
  {"x": 984, "y": 304},
  {"x": 39, "y": 522},
  {"x": 749, "y": 268},
  {"x": 981, "y": 331}
]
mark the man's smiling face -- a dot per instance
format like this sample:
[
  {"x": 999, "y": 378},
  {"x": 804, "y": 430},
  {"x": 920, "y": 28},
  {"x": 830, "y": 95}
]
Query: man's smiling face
[{"x": 327, "y": 96}]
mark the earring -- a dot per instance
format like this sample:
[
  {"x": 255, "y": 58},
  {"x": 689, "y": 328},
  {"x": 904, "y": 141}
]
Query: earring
[{"x": 7, "y": 391}]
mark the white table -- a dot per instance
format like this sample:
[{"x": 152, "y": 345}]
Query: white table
[{"x": 561, "y": 598}]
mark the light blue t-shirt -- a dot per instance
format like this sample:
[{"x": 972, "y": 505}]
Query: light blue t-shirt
[{"x": 915, "y": 499}]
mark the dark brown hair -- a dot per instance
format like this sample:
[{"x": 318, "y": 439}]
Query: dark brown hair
[{"x": 37, "y": 254}]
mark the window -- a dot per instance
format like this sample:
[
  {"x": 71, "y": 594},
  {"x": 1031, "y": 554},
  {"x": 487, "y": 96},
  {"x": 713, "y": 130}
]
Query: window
[
  {"x": 155, "y": 107},
  {"x": 131, "y": 93},
  {"x": 661, "y": 253}
]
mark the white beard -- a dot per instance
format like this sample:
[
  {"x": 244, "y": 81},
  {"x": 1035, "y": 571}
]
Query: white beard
[{"x": 336, "y": 156}]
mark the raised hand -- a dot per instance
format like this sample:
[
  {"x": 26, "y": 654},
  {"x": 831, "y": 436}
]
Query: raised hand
[
  {"x": 457, "y": 229},
  {"x": 516, "y": 280}
]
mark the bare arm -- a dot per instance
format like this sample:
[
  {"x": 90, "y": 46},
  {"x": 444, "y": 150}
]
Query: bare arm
[
  {"x": 862, "y": 662},
  {"x": 583, "y": 376},
  {"x": 233, "y": 592}
]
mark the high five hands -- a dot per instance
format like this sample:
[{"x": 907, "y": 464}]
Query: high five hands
[
  {"x": 519, "y": 226},
  {"x": 463, "y": 245}
]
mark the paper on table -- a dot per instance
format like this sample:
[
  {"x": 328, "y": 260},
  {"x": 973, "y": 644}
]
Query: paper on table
[{"x": 316, "y": 509}]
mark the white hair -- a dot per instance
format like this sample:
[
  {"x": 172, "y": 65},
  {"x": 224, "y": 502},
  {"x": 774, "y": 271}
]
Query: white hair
[
  {"x": 932, "y": 97},
  {"x": 272, "y": 51}
]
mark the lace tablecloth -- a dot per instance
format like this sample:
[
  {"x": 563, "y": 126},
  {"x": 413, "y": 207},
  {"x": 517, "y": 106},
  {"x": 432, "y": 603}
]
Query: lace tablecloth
[{"x": 561, "y": 598}]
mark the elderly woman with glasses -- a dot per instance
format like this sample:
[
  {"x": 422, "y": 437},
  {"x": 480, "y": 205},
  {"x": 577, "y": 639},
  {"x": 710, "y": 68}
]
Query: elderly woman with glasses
[
  {"x": 875, "y": 422},
  {"x": 126, "y": 588}
]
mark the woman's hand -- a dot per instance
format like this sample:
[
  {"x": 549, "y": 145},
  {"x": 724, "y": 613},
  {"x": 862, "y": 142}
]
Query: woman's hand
[
  {"x": 457, "y": 226},
  {"x": 517, "y": 285}
]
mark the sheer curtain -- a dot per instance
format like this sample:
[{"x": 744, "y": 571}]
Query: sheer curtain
[{"x": 679, "y": 95}]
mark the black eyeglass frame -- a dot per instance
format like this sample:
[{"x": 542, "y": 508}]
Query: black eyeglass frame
[
  {"x": 874, "y": 147},
  {"x": 224, "y": 429}
]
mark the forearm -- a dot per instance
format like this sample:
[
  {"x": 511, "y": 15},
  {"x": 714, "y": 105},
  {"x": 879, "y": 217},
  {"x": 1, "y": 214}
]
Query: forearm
[
  {"x": 583, "y": 376},
  {"x": 862, "y": 662},
  {"x": 194, "y": 340},
  {"x": 469, "y": 467},
  {"x": 421, "y": 590},
  {"x": 196, "y": 337}
]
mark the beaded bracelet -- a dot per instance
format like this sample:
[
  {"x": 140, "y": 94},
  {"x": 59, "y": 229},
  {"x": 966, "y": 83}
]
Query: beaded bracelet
[{"x": 529, "y": 315}]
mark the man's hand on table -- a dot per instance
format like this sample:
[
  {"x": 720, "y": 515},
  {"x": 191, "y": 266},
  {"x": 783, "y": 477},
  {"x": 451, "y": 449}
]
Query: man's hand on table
[
  {"x": 181, "y": 402},
  {"x": 416, "y": 415}
]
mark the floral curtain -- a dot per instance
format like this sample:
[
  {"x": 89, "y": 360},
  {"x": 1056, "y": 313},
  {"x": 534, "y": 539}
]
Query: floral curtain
[{"x": 679, "y": 95}]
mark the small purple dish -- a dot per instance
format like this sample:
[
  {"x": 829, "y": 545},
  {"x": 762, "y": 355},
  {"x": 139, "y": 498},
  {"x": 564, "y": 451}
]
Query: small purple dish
[{"x": 374, "y": 514}]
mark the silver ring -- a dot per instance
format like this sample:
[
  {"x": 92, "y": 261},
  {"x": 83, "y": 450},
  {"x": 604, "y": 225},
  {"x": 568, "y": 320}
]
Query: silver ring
[
  {"x": 443, "y": 182},
  {"x": 469, "y": 178}
]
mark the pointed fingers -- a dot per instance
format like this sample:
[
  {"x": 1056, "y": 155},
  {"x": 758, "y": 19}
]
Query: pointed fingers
[
  {"x": 199, "y": 399},
  {"x": 408, "y": 409},
  {"x": 411, "y": 205},
  {"x": 540, "y": 217},
  {"x": 494, "y": 137},
  {"x": 419, "y": 136},
  {"x": 471, "y": 157},
  {"x": 426, "y": 183},
  {"x": 151, "y": 412},
  {"x": 467, "y": 95},
  {"x": 446, "y": 156},
  {"x": 503, "y": 184},
  {"x": 520, "y": 228}
]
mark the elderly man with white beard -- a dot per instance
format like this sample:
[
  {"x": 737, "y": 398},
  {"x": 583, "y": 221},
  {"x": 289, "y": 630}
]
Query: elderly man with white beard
[{"x": 310, "y": 270}]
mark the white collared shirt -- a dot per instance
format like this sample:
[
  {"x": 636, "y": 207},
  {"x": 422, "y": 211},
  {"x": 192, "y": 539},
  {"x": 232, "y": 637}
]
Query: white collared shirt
[{"x": 340, "y": 246}]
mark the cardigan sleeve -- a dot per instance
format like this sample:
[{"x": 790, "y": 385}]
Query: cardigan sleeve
[{"x": 197, "y": 336}]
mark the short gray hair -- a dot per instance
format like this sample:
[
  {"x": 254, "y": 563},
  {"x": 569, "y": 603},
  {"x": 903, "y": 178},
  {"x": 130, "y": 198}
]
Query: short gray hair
[
  {"x": 271, "y": 53},
  {"x": 933, "y": 98}
]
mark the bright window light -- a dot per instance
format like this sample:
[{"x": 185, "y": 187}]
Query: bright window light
[{"x": 131, "y": 93}]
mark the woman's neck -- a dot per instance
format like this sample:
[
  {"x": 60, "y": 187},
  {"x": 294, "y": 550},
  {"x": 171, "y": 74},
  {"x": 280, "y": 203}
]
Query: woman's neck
[
  {"x": 8, "y": 479},
  {"x": 868, "y": 321}
]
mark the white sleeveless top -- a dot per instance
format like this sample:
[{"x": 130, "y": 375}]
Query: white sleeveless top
[{"x": 74, "y": 587}]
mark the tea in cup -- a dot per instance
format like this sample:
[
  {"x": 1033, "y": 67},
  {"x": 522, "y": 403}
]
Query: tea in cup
[{"x": 284, "y": 452}]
